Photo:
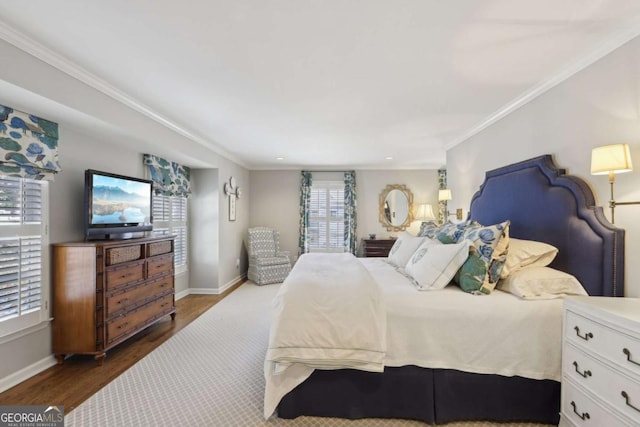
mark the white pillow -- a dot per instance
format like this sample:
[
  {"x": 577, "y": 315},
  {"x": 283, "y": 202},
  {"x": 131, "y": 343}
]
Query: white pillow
[
  {"x": 433, "y": 265},
  {"x": 541, "y": 283},
  {"x": 527, "y": 253},
  {"x": 403, "y": 248}
]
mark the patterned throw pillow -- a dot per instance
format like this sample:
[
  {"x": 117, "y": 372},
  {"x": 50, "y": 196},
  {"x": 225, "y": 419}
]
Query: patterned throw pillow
[
  {"x": 403, "y": 248},
  {"x": 428, "y": 229},
  {"x": 451, "y": 233},
  {"x": 487, "y": 255}
]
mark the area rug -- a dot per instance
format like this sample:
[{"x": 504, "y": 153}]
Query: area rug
[{"x": 209, "y": 374}]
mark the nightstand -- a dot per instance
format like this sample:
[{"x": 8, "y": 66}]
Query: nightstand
[
  {"x": 377, "y": 247},
  {"x": 601, "y": 362}
]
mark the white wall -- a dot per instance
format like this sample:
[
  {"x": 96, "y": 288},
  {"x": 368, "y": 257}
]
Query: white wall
[
  {"x": 275, "y": 199},
  {"x": 218, "y": 255},
  {"x": 598, "y": 106}
]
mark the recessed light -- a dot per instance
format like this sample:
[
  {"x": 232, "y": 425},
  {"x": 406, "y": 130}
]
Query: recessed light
[
  {"x": 388, "y": 158},
  {"x": 279, "y": 158}
]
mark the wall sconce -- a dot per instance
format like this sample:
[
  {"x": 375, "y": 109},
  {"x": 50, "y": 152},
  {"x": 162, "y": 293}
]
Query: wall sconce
[
  {"x": 425, "y": 213},
  {"x": 444, "y": 196},
  {"x": 612, "y": 159}
]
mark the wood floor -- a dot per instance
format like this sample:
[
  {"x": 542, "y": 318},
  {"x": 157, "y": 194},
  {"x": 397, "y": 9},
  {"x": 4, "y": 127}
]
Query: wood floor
[{"x": 79, "y": 377}]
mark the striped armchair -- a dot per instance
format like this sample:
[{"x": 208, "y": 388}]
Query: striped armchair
[{"x": 267, "y": 264}]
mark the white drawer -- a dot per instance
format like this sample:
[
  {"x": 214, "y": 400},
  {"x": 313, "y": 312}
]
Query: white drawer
[
  {"x": 595, "y": 338},
  {"x": 581, "y": 410},
  {"x": 602, "y": 381}
]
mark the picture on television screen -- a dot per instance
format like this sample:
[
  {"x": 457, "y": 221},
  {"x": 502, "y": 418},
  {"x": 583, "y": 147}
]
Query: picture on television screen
[{"x": 119, "y": 201}]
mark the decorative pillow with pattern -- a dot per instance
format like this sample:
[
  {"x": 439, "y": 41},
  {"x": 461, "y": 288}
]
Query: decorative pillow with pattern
[
  {"x": 451, "y": 233},
  {"x": 403, "y": 248},
  {"x": 428, "y": 229},
  {"x": 434, "y": 264},
  {"x": 487, "y": 255}
]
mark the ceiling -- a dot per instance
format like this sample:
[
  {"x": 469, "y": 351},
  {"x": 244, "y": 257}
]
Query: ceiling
[{"x": 328, "y": 83}]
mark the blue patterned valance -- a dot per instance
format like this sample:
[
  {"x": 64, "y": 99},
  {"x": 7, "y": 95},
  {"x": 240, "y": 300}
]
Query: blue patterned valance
[
  {"x": 28, "y": 145},
  {"x": 169, "y": 178}
]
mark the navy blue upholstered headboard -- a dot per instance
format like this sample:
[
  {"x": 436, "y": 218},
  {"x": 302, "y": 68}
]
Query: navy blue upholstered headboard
[{"x": 544, "y": 204}]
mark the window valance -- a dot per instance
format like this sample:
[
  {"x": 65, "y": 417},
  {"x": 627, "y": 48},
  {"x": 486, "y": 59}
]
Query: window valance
[
  {"x": 28, "y": 145},
  {"x": 169, "y": 178}
]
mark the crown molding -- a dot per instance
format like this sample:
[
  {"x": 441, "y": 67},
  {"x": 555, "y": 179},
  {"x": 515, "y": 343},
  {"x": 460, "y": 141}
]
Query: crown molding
[
  {"x": 39, "y": 51},
  {"x": 629, "y": 31}
]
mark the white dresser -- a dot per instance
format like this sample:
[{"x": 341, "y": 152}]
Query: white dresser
[{"x": 601, "y": 362}]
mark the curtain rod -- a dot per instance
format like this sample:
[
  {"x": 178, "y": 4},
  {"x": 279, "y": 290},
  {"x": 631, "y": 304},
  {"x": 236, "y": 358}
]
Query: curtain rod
[{"x": 319, "y": 170}]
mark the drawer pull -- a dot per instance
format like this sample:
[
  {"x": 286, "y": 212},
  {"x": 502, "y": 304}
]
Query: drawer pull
[
  {"x": 585, "y": 373},
  {"x": 626, "y": 400},
  {"x": 628, "y": 354},
  {"x": 124, "y": 276},
  {"x": 584, "y": 415},
  {"x": 124, "y": 325},
  {"x": 586, "y": 336},
  {"x": 124, "y": 300}
]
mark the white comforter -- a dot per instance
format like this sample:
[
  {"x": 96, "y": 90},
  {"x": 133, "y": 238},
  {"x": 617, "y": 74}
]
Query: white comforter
[
  {"x": 329, "y": 314},
  {"x": 448, "y": 329}
]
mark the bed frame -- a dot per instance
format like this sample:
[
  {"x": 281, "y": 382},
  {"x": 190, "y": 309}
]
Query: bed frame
[{"x": 542, "y": 204}]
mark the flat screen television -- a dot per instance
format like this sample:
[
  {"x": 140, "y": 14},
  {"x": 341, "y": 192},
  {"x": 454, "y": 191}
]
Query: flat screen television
[{"x": 116, "y": 205}]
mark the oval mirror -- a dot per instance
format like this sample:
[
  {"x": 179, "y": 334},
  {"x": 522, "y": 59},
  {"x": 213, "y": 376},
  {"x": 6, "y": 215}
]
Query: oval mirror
[{"x": 396, "y": 207}]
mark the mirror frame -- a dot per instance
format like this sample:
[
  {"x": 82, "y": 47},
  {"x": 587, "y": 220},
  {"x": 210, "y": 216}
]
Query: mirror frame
[{"x": 382, "y": 198}]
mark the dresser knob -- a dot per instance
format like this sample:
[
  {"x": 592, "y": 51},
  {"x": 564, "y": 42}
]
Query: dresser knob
[
  {"x": 124, "y": 325},
  {"x": 626, "y": 400},
  {"x": 584, "y": 415},
  {"x": 586, "y": 336},
  {"x": 628, "y": 354},
  {"x": 585, "y": 374}
]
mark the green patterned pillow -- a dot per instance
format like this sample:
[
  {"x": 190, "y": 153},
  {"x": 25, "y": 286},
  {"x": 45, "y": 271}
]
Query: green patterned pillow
[
  {"x": 487, "y": 255},
  {"x": 451, "y": 233}
]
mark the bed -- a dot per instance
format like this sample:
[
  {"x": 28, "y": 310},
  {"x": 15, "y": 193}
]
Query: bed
[{"x": 542, "y": 203}]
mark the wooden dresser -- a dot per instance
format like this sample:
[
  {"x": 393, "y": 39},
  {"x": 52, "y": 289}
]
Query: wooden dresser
[
  {"x": 601, "y": 362},
  {"x": 377, "y": 247},
  {"x": 106, "y": 291}
]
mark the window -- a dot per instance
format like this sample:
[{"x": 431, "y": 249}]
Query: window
[
  {"x": 23, "y": 243},
  {"x": 326, "y": 217},
  {"x": 170, "y": 217}
]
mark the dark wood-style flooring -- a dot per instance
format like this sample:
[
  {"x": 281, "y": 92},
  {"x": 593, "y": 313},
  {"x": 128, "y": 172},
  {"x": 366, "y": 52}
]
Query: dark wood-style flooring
[{"x": 79, "y": 377}]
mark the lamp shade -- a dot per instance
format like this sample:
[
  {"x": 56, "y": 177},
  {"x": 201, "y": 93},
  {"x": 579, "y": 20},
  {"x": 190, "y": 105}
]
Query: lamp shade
[
  {"x": 425, "y": 213},
  {"x": 614, "y": 158},
  {"x": 444, "y": 195}
]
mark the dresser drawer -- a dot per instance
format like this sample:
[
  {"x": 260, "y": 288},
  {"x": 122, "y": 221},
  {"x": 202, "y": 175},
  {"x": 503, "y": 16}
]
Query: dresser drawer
[
  {"x": 131, "y": 298},
  {"x": 160, "y": 264},
  {"x": 120, "y": 276},
  {"x": 581, "y": 410},
  {"x": 607, "y": 383},
  {"x": 139, "y": 318},
  {"x": 612, "y": 345}
]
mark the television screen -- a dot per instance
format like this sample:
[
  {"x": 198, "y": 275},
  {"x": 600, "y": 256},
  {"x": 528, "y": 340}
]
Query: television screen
[{"x": 116, "y": 203}]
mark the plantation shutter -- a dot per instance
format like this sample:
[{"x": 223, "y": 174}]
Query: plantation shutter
[
  {"x": 326, "y": 217},
  {"x": 20, "y": 257},
  {"x": 170, "y": 218}
]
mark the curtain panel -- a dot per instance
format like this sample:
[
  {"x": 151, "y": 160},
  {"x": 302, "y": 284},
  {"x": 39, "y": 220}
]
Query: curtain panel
[
  {"x": 305, "y": 202},
  {"x": 442, "y": 204},
  {"x": 350, "y": 214},
  {"x": 169, "y": 178},
  {"x": 28, "y": 145}
]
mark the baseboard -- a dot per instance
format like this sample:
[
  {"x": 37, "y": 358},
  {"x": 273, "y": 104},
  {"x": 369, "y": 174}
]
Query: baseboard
[
  {"x": 182, "y": 294},
  {"x": 25, "y": 373},
  {"x": 232, "y": 282},
  {"x": 218, "y": 291}
]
